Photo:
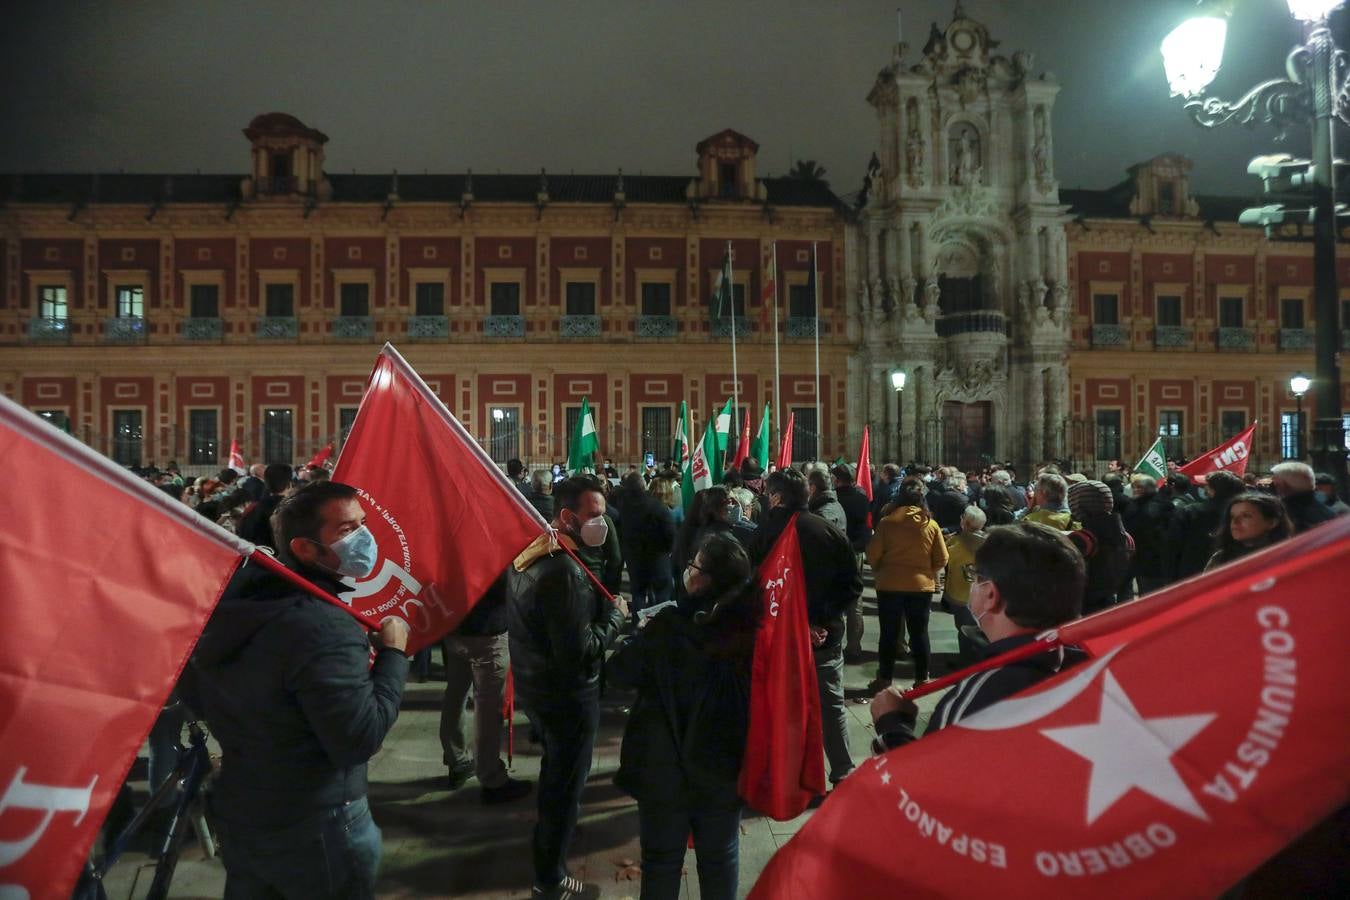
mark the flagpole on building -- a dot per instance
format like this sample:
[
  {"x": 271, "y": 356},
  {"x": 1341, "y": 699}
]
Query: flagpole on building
[
  {"x": 735, "y": 373},
  {"x": 815, "y": 280},
  {"x": 777, "y": 380}
]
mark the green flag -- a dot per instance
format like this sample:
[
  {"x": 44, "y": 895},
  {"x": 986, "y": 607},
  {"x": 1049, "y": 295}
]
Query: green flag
[
  {"x": 684, "y": 457},
  {"x": 585, "y": 442},
  {"x": 706, "y": 463},
  {"x": 759, "y": 447},
  {"x": 723, "y": 291},
  {"x": 1154, "y": 462}
]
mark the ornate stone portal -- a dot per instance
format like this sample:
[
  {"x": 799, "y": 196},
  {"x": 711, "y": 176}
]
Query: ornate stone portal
[{"x": 961, "y": 266}]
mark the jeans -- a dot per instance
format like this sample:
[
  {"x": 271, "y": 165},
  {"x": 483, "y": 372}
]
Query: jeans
[
  {"x": 334, "y": 853},
  {"x": 833, "y": 717},
  {"x": 567, "y": 729},
  {"x": 968, "y": 649},
  {"x": 651, "y": 582},
  {"x": 478, "y": 662},
  {"x": 854, "y": 619},
  {"x": 913, "y": 607},
  {"x": 665, "y": 836},
  {"x": 166, "y": 739}
]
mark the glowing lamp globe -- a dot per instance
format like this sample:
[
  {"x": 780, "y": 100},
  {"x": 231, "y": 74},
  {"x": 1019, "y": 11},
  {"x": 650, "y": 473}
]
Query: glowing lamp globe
[{"x": 1192, "y": 54}]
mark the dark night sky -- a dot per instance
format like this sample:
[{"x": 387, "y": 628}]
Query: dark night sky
[{"x": 580, "y": 86}]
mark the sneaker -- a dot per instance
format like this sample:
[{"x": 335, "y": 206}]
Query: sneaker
[
  {"x": 877, "y": 685},
  {"x": 460, "y": 773},
  {"x": 505, "y": 793},
  {"x": 568, "y": 889}
]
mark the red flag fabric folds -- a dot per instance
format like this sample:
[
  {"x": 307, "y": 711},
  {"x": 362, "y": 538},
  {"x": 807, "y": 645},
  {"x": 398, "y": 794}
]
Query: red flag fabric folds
[
  {"x": 1209, "y": 729},
  {"x": 320, "y": 459},
  {"x": 446, "y": 519},
  {"x": 743, "y": 445},
  {"x": 783, "y": 767},
  {"x": 1229, "y": 456},
  {"x": 864, "y": 474},
  {"x": 106, "y": 584},
  {"x": 785, "y": 451}
]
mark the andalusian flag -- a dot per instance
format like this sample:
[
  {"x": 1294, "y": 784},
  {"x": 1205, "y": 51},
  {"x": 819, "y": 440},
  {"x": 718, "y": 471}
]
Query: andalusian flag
[
  {"x": 585, "y": 442},
  {"x": 1154, "y": 462},
  {"x": 759, "y": 447},
  {"x": 706, "y": 464},
  {"x": 723, "y": 294},
  {"x": 683, "y": 457}
]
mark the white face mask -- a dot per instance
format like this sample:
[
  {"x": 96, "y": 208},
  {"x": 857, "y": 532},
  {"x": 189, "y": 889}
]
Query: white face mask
[
  {"x": 594, "y": 532},
  {"x": 685, "y": 578}
]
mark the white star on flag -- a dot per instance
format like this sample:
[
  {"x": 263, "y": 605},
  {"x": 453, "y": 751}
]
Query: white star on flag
[
  {"x": 885, "y": 777},
  {"x": 1127, "y": 750}
]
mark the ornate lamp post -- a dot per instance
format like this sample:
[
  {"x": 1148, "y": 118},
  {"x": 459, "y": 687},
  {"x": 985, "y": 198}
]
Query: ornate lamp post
[
  {"x": 1315, "y": 92},
  {"x": 898, "y": 382},
  {"x": 1298, "y": 386}
]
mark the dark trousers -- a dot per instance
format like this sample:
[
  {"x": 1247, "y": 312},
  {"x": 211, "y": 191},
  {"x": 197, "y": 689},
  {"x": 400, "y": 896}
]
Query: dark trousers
[
  {"x": 967, "y": 648},
  {"x": 567, "y": 731},
  {"x": 665, "y": 836},
  {"x": 334, "y": 853},
  {"x": 892, "y": 606},
  {"x": 651, "y": 582}
]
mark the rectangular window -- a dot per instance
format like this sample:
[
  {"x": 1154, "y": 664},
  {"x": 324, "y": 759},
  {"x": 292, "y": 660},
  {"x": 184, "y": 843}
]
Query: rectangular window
[
  {"x": 57, "y": 418},
  {"x": 204, "y": 301},
  {"x": 580, "y": 298},
  {"x": 1167, "y": 198},
  {"x": 355, "y": 300},
  {"x": 656, "y": 433},
  {"x": 127, "y": 437},
  {"x": 505, "y": 298},
  {"x": 1291, "y": 435},
  {"x": 803, "y": 433},
  {"x": 52, "y": 302},
  {"x": 280, "y": 301},
  {"x": 1108, "y": 434},
  {"x": 1230, "y": 312},
  {"x": 655, "y": 299},
  {"x": 801, "y": 301},
  {"x": 278, "y": 436},
  {"x": 1291, "y": 312},
  {"x": 203, "y": 437},
  {"x": 1105, "y": 309},
  {"x": 1169, "y": 312},
  {"x": 503, "y": 433},
  {"x": 346, "y": 419},
  {"x": 1169, "y": 429},
  {"x": 430, "y": 296},
  {"x": 1232, "y": 422},
  {"x": 738, "y": 300},
  {"x": 130, "y": 301},
  {"x": 726, "y": 175}
]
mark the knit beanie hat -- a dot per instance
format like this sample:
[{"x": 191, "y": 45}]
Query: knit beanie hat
[{"x": 1090, "y": 499}]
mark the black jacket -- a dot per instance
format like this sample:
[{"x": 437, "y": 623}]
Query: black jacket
[
  {"x": 646, "y": 529},
  {"x": 1147, "y": 520},
  {"x": 488, "y": 616},
  {"x": 543, "y": 503},
  {"x": 1107, "y": 549},
  {"x": 856, "y": 508},
  {"x": 1306, "y": 511},
  {"x": 285, "y": 682},
  {"x": 946, "y": 505},
  {"x": 1190, "y": 536},
  {"x": 826, "y": 505},
  {"x": 256, "y": 525},
  {"x": 979, "y": 690},
  {"x": 685, "y": 737},
  {"x": 558, "y": 623},
  {"x": 829, "y": 566}
]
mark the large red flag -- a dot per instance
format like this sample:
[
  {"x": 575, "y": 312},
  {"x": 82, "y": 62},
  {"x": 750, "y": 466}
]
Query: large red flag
[
  {"x": 237, "y": 457},
  {"x": 106, "y": 584},
  {"x": 743, "y": 446},
  {"x": 864, "y": 476},
  {"x": 783, "y": 767},
  {"x": 447, "y": 520},
  {"x": 1126, "y": 773},
  {"x": 785, "y": 451},
  {"x": 320, "y": 459},
  {"x": 1230, "y": 456}
]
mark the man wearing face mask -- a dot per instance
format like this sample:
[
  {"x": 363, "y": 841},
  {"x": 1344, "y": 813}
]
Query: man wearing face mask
[
  {"x": 285, "y": 681},
  {"x": 559, "y": 629},
  {"x": 1026, "y": 578}
]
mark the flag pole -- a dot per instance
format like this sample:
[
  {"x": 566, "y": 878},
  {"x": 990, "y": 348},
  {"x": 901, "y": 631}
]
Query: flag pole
[
  {"x": 735, "y": 372},
  {"x": 815, "y": 280},
  {"x": 777, "y": 374}
]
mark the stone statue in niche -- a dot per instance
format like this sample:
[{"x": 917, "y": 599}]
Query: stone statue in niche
[
  {"x": 965, "y": 145},
  {"x": 1060, "y": 300},
  {"x": 908, "y": 285},
  {"x": 932, "y": 294},
  {"x": 893, "y": 290},
  {"x": 977, "y": 376},
  {"x": 914, "y": 144},
  {"x": 1040, "y": 153}
]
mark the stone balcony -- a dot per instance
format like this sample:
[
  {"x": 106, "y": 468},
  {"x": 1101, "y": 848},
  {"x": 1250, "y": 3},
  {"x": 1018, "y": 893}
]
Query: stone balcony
[{"x": 975, "y": 322}]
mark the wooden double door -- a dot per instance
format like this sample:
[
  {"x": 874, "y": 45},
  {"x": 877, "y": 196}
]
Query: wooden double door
[{"x": 968, "y": 434}]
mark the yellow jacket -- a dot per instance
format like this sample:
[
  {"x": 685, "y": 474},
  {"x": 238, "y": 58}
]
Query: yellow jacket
[
  {"x": 961, "y": 553},
  {"x": 907, "y": 551}
]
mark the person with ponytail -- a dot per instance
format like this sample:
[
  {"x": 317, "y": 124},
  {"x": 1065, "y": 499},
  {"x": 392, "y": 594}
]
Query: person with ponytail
[{"x": 685, "y": 737}]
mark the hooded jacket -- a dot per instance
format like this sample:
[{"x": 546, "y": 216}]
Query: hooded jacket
[
  {"x": 284, "y": 681},
  {"x": 907, "y": 551},
  {"x": 826, "y": 505}
]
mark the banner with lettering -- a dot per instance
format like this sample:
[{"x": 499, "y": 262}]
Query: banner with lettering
[
  {"x": 446, "y": 519},
  {"x": 106, "y": 583},
  {"x": 1209, "y": 729},
  {"x": 1230, "y": 456}
]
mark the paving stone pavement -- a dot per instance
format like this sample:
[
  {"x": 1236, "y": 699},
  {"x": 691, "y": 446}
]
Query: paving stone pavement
[{"x": 443, "y": 844}]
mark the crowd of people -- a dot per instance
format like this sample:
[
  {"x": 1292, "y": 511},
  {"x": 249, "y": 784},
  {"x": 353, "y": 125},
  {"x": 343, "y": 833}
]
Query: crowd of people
[{"x": 287, "y": 685}]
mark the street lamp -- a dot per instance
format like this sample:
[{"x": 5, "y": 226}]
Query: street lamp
[
  {"x": 898, "y": 382},
  {"x": 1314, "y": 93},
  {"x": 1298, "y": 386}
]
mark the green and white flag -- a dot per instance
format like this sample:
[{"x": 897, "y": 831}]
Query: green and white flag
[
  {"x": 1154, "y": 462},
  {"x": 585, "y": 442},
  {"x": 683, "y": 456},
  {"x": 759, "y": 447},
  {"x": 706, "y": 464}
]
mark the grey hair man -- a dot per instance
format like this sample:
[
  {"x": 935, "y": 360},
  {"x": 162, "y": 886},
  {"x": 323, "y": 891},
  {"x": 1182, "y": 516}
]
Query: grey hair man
[{"x": 1296, "y": 484}]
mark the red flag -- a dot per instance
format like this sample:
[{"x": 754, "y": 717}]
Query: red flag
[
  {"x": 237, "y": 457},
  {"x": 1121, "y": 774},
  {"x": 446, "y": 519},
  {"x": 96, "y": 568},
  {"x": 785, "y": 451},
  {"x": 743, "y": 446},
  {"x": 1231, "y": 456},
  {"x": 783, "y": 767},
  {"x": 864, "y": 476},
  {"x": 321, "y": 458}
]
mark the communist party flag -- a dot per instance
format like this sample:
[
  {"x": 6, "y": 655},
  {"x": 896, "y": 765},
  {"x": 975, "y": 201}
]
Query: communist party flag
[
  {"x": 106, "y": 584},
  {"x": 446, "y": 519},
  {"x": 864, "y": 474},
  {"x": 1229, "y": 456},
  {"x": 783, "y": 767},
  {"x": 1123, "y": 776},
  {"x": 785, "y": 451}
]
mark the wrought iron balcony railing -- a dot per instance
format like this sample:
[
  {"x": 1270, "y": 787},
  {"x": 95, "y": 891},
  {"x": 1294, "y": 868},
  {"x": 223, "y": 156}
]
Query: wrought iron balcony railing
[
  {"x": 278, "y": 328},
  {"x": 1171, "y": 337},
  {"x": 203, "y": 329},
  {"x": 504, "y": 326},
  {"x": 721, "y": 326},
  {"x": 982, "y": 321},
  {"x": 657, "y": 326},
  {"x": 353, "y": 328},
  {"x": 1110, "y": 336},
  {"x": 1296, "y": 339},
  {"x": 49, "y": 330},
  {"x": 1237, "y": 339},
  {"x": 580, "y": 326},
  {"x": 125, "y": 330},
  {"x": 428, "y": 327},
  {"x": 801, "y": 326}
]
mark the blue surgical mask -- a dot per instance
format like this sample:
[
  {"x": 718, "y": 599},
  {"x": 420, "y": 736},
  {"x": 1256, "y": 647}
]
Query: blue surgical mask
[
  {"x": 734, "y": 513},
  {"x": 357, "y": 553}
]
